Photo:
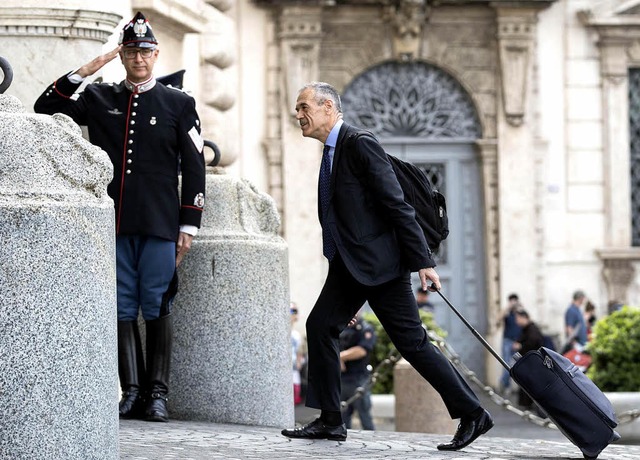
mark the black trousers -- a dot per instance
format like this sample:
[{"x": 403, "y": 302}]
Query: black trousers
[{"x": 395, "y": 306}]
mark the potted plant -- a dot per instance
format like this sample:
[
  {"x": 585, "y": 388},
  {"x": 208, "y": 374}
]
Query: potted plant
[
  {"x": 382, "y": 397},
  {"x": 615, "y": 367}
]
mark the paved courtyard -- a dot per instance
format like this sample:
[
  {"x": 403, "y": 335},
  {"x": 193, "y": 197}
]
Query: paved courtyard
[{"x": 199, "y": 441}]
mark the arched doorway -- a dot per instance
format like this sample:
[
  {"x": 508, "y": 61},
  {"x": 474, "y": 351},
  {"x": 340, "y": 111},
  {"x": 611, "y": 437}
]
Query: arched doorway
[{"x": 423, "y": 115}]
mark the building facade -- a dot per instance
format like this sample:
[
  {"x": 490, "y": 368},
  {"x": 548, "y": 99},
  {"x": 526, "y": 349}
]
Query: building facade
[{"x": 525, "y": 114}]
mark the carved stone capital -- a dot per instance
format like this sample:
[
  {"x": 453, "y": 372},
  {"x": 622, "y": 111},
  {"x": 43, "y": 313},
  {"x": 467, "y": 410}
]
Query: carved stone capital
[
  {"x": 300, "y": 23},
  {"x": 300, "y": 32},
  {"x": 618, "y": 39},
  {"x": 516, "y": 35},
  {"x": 53, "y": 22},
  {"x": 408, "y": 18},
  {"x": 618, "y": 271}
]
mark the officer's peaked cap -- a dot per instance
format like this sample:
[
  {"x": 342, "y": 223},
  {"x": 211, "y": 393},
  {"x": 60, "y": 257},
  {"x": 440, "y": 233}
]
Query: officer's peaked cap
[{"x": 138, "y": 33}]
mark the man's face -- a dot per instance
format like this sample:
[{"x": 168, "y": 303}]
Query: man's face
[
  {"x": 316, "y": 120},
  {"x": 138, "y": 62}
]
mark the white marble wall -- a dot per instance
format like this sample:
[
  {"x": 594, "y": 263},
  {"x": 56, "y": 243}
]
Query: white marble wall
[{"x": 570, "y": 122}]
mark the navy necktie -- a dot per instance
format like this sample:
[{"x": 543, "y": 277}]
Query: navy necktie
[{"x": 324, "y": 183}]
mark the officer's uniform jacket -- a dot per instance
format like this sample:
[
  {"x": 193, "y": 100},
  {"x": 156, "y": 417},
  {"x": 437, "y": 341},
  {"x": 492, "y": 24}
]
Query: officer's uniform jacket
[
  {"x": 151, "y": 133},
  {"x": 360, "y": 334}
]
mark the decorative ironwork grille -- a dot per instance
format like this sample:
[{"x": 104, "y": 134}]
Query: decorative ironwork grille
[
  {"x": 413, "y": 99},
  {"x": 435, "y": 173},
  {"x": 634, "y": 136}
]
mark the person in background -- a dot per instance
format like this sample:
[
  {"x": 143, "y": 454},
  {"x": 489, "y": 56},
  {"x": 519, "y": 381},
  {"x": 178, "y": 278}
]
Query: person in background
[
  {"x": 530, "y": 339},
  {"x": 422, "y": 299},
  {"x": 356, "y": 344},
  {"x": 589, "y": 318},
  {"x": 510, "y": 333},
  {"x": 151, "y": 133},
  {"x": 297, "y": 355},
  {"x": 575, "y": 325}
]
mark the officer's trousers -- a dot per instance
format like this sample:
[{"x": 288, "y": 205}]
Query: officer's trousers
[
  {"x": 361, "y": 405},
  {"x": 145, "y": 266}
]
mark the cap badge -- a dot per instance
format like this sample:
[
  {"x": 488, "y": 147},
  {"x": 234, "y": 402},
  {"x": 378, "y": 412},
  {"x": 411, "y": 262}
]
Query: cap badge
[{"x": 140, "y": 28}]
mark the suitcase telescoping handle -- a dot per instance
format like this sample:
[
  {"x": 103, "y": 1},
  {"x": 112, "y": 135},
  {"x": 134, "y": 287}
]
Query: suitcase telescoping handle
[{"x": 473, "y": 330}]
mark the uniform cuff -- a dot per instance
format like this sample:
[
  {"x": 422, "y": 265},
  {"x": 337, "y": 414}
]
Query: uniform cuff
[
  {"x": 189, "y": 229},
  {"x": 75, "y": 78}
]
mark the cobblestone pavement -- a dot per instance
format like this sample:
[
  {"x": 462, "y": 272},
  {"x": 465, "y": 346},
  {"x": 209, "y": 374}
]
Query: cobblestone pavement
[{"x": 202, "y": 441}]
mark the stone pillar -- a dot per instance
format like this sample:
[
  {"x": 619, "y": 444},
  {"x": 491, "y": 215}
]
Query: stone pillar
[
  {"x": 419, "y": 408},
  {"x": 58, "y": 351},
  {"x": 489, "y": 157},
  {"x": 516, "y": 165},
  {"x": 299, "y": 32},
  {"x": 232, "y": 345},
  {"x": 43, "y": 43}
]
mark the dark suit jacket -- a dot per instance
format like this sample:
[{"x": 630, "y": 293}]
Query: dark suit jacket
[{"x": 375, "y": 231}]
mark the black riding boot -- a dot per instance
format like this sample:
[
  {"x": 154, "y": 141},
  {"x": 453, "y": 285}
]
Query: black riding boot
[
  {"x": 130, "y": 370},
  {"x": 159, "y": 343}
]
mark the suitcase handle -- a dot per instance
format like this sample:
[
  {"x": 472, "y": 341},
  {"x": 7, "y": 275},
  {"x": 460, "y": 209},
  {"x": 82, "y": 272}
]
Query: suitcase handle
[{"x": 472, "y": 329}]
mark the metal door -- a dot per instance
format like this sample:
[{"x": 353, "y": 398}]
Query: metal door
[{"x": 454, "y": 170}]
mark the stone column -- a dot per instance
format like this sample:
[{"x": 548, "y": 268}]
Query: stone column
[
  {"x": 489, "y": 159},
  {"x": 619, "y": 44},
  {"x": 299, "y": 31},
  {"x": 43, "y": 43},
  {"x": 615, "y": 113},
  {"x": 516, "y": 165},
  {"x": 419, "y": 408},
  {"x": 58, "y": 350},
  {"x": 232, "y": 344}
]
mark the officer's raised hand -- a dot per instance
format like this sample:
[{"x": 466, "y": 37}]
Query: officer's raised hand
[{"x": 98, "y": 63}]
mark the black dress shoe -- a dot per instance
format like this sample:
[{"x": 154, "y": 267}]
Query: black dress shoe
[
  {"x": 318, "y": 430},
  {"x": 468, "y": 431}
]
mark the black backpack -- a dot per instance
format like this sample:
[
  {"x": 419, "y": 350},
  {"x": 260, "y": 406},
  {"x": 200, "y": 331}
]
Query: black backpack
[{"x": 429, "y": 204}]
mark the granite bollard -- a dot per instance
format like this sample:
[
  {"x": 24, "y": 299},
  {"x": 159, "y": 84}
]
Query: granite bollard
[
  {"x": 232, "y": 345},
  {"x": 58, "y": 358},
  {"x": 419, "y": 408}
]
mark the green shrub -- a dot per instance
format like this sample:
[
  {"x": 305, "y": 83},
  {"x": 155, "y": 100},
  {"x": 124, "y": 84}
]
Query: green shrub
[
  {"x": 615, "y": 351},
  {"x": 384, "y": 347}
]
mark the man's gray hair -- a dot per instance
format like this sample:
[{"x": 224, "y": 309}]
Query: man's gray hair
[{"x": 323, "y": 92}]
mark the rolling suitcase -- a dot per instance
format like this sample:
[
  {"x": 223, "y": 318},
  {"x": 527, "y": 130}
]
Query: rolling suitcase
[{"x": 573, "y": 402}]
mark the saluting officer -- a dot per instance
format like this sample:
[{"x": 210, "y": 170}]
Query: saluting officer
[{"x": 151, "y": 133}]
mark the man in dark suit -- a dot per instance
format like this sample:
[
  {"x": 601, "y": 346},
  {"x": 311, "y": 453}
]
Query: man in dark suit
[{"x": 373, "y": 243}]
